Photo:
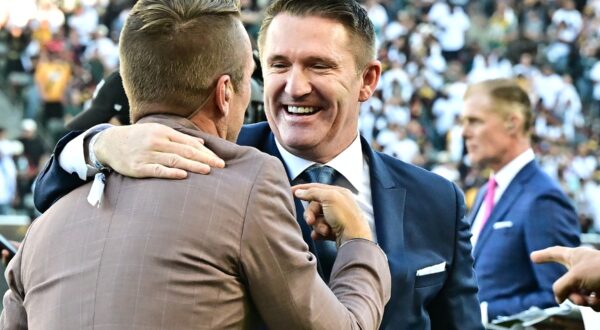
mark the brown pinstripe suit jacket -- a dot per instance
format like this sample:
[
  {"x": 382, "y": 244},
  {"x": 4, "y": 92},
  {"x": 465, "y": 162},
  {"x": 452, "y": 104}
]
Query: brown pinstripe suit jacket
[{"x": 218, "y": 251}]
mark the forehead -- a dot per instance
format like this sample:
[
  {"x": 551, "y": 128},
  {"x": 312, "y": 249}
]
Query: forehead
[{"x": 290, "y": 34}]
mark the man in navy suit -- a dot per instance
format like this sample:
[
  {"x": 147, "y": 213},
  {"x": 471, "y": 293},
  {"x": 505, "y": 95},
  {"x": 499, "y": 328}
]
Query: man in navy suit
[
  {"x": 520, "y": 210},
  {"x": 318, "y": 60}
]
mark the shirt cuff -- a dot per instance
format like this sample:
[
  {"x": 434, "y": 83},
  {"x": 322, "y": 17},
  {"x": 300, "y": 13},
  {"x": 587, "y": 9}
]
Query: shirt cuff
[
  {"x": 484, "y": 312},
  {"x": 72, "y": 158}
]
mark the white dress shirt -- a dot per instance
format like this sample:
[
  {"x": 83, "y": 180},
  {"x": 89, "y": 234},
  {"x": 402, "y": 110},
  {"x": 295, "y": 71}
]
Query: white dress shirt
[
  {"x": 503, "y": 179},
  {"x": 72, "y": 158},
  {"x": 354, "y": 170}
]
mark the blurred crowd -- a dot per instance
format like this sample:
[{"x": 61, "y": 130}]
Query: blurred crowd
[{"x": 54, "y": 52}]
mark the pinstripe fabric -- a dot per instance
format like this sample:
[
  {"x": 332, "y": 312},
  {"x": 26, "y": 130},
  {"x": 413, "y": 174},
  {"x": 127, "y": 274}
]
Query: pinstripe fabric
[{"x": 218, "y": 251}]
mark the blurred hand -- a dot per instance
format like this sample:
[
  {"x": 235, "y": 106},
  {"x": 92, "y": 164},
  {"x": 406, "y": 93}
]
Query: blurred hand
[
  {"x": 6, "y": 254},
  {"x": 581, "y": 283},
  {"x": 154, "y": 150},
  {"x": 332, "y": 212}
]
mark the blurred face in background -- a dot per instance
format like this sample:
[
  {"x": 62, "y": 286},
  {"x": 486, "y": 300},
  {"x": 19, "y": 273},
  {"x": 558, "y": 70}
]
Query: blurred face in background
[{"x": 487, "y": 134}]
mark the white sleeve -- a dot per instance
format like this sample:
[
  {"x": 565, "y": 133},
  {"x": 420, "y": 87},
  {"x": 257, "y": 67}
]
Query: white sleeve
[{"x": 72, "y": 159}]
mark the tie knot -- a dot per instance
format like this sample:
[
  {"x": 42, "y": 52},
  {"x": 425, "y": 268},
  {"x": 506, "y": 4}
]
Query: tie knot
[{"x": 320, "y": 174}]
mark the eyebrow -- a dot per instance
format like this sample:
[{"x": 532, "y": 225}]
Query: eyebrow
[
  {"x": 276, "y": 58},
  {"x": 309, "y": 59}
]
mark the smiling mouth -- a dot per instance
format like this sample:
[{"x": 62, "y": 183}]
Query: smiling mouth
[{"x": 301, "y": 111}]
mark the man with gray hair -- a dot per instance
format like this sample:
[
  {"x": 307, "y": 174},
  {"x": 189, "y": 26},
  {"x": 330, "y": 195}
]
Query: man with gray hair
[
  {"x": 218, "y": 251},
  {"x": 520, "y": 209}
]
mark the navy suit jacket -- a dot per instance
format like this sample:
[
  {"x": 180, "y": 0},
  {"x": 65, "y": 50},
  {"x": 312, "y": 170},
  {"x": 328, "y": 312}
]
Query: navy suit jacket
[
  {"x": 419, "y": 218},
  {"x": 533, "y": 213}
]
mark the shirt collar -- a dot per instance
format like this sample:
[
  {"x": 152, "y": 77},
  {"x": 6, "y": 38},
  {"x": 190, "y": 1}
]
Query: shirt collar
[
  {"x": 510, "y": 170},
  {"x": 348, "y": 163}
]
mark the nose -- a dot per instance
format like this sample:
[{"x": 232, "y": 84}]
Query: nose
[
  {"x": 297, "y": 84},
  {"x": 466, "y": 132}
]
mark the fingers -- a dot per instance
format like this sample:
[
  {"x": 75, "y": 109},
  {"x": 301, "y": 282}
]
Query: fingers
[
  {"x": 176, "y": 163},
  {"x": 313, "y": 214},
  {"x": 565, "y": 286},
  {"x": 322, "y": 232},
  {"x": 318, "y": 192},
  {"x": 592, "y": 300},
  {"x": 160, "y": 171},
  {"x": 558, "y": 254},
  {"x": 577, "y": 299},
  {"x": 322, "y": 229},
  {"x": 154, "y": 150},
  {"x": 5, "y": 257},
  {"x": 191, "y": 148}
]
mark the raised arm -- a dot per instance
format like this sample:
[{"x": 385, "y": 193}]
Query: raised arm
[
  {"x": 281, "y": 273},
  {"x": 140, "y": 150},
  {"x": 153, "y": 150}
]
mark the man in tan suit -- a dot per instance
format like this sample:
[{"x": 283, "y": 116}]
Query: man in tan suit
[{"x": 218, "y": 251}]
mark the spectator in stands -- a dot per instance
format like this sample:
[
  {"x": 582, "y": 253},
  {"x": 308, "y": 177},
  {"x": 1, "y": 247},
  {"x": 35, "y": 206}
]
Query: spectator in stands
[
  {"x": 52, "y": 77},
  {"x": 35, "y": 153},
  {"x": 8, "y": 173}
]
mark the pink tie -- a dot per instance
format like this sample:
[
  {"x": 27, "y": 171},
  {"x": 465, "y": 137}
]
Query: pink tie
[{"x": 489, "y": 200}]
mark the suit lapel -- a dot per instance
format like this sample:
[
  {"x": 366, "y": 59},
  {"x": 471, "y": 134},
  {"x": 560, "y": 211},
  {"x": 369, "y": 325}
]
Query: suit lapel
[
  {"x": 388, "y": 212},
  {"x": 513, "y": 191},
  {"x": 388, "y": 204}
]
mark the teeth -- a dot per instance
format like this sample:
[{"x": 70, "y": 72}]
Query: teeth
[{"x": 302, "y": 110}]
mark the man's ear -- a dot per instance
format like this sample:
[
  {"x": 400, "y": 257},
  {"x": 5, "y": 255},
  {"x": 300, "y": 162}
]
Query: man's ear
[
  {"x": 223, "y": 94},
  {"x": 512, "y": 123},
  {"x": 370, "y": 78}
]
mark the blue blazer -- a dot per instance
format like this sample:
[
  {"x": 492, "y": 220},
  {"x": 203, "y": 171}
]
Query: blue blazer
[
  {"x": 533, "y": 213},
  {"x": 419, "y": 218}
]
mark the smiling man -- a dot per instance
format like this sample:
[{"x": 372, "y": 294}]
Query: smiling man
[
  {"x": 312, "y": 91},
  {"x": 318, "y": 60}
]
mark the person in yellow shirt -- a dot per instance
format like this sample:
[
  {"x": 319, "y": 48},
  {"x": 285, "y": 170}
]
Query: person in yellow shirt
[{"x": 52, "y": 76}]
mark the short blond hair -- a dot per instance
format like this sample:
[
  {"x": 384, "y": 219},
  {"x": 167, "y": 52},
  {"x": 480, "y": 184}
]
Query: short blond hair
[
  {"x": 173, "y": 51},
  {"x": 347, "y": 12},
  {"x": 507, "y": 97}
]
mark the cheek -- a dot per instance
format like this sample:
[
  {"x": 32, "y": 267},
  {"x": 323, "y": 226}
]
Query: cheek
[{"x": 271, "y": 84}]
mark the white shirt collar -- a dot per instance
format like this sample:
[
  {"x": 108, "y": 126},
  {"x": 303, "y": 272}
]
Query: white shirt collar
[
  {"x": 349, "y": 163},
  {"x": 510, "y": 170}
]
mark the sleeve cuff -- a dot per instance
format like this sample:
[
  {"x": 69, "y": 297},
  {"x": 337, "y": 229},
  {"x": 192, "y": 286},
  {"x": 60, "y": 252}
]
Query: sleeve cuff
[
  {"x": 72, "y": 158},
  {"x": 484, "y": 312}
]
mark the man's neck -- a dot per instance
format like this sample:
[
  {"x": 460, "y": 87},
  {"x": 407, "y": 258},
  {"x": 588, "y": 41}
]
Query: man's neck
[{"x": 519, "y": 148}]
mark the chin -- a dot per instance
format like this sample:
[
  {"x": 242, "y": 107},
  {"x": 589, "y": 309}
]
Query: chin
[{"x": 299, "y": 144}]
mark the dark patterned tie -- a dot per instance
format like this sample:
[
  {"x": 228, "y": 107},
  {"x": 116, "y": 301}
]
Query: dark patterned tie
[
  {"x": 326, "y": 250},
  {"x": 320, "y": 174}
]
